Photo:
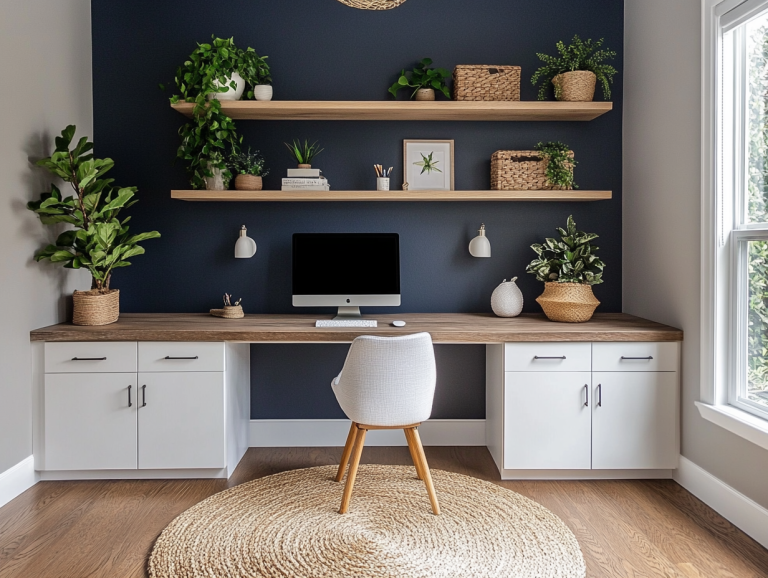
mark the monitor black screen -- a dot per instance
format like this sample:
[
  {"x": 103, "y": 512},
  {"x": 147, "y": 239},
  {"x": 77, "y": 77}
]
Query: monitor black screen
[{"x": 346, "y": 264}]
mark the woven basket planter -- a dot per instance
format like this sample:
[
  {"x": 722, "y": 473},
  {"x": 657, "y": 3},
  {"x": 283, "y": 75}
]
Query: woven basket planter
[
  {"x": 229, "y": 312},
  {"x": 373, "y": 4},
  {"x": 248, "y": 183},
  {"x": 483, "y": 82},
  {"x": 96, "y": 308},
  {"x": 576, "y": 86},
  {"x": 568, "y": 302},
  {"x": 521, "y": 171}
]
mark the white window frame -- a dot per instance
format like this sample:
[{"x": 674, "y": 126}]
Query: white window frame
[{"x": 723, "y": 244}]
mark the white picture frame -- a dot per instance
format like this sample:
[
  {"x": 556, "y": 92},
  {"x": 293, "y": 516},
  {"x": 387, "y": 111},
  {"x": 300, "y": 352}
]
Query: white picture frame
[{"x": 417, "y": 152}]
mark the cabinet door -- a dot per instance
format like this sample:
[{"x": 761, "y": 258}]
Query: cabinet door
[
  {"x": 182, "y": 423},
  {"x": 634, "y": 420},
  {"x": 546, "y": 422},
  {"x": 89, "y": 423}
]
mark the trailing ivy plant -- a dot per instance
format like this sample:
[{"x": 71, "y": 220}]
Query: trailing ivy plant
[
  {"x": 560, "y": 164},
  {"x": 570, "y": 259},
  {"x": 100, "y": 242},
  {"x": 303, "y": 153},
  {"x": 249, "y": 163},
  {"x": 579, "y": 55},
  {"x": 210, "y": 134},
  {"x": 422, "y": 77}
]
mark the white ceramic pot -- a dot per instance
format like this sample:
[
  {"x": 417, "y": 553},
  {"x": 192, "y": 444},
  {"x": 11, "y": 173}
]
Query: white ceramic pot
[
  {"x": 230, "y": 94},
  {"x": 262, "y": 92},
  {"x": 216, "y": 182},
  {"x": 507, "y": 299},
  {"x": 425, "y": 94}
]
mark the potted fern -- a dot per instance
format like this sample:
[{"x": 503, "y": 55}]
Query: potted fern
[
  {"x": 576, "y": 70},
  {"x": 99, "y": 241},
  {"x": 568, "y": 267}
]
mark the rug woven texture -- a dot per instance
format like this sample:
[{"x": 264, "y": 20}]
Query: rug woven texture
[{"x": 288, "y": 525}]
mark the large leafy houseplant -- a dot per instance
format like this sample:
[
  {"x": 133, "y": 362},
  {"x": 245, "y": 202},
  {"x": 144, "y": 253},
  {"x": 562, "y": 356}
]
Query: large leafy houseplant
[
  {"x": 99, "y": 241},
  {"x": 580, "y": 55},
  {"x": 421, "y": 77},
  {"x": 569, "y": 259}
]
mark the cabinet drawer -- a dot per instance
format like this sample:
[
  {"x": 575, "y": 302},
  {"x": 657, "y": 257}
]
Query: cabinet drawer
[
  {"x": 180, "y": 356},
  {"x": 91, "y": 357},
  {"x": 547, "y": 356},
  {"x": 635, "y": 356}
]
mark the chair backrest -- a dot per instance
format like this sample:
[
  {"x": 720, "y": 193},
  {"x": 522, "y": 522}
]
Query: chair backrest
[{"x": 388, "y": 381}]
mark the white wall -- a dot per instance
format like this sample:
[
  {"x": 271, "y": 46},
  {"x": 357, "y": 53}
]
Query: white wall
[
  {"x": 46, "y": 72},
  {"x": 661, "y": 213}
]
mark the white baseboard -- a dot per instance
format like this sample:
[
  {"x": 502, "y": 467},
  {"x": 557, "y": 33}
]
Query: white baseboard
[
  {"x": 17, "y": 480},
  {"x": 741, "y": 511},
  {"x": 309, "y": 433}
]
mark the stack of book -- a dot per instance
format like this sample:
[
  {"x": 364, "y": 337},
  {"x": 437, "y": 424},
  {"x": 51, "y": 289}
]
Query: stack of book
[{"x": 305, "y": 180}]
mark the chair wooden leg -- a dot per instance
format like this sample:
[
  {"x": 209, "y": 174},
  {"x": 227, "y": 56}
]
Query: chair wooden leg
[
  {"x": 347, "y": 451},
  {"x": 414, "y": 452},
  {"x": 425, "y": 472},
  {"x": 352, "y": 474}
]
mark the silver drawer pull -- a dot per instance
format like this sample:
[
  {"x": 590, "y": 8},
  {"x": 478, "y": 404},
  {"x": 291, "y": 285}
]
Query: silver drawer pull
[
  {"x": 549, "y": 357},
  {"x": 648, "y": 358},
  {"x": 89, "y": 359},
  {"x": 169, "y": 357}
]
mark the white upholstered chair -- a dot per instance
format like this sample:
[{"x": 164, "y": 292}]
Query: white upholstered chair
[{"x": 386, "y": 383}]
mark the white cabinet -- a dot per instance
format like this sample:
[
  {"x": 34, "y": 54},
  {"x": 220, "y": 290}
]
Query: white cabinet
[
  {"x": 181, "y": 420},
  {"x": 634, "y": 419},
  {"x": 547, "y": 420},
  {"x": 90, "y": 421}
]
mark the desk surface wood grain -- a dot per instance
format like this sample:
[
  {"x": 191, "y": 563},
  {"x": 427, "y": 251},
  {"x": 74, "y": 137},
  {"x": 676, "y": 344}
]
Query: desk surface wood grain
[{"x": 444, "y": 328}]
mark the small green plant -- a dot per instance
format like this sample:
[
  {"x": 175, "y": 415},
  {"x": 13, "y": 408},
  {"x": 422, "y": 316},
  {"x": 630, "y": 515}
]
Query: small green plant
[
  {"x": 427, "y": 164},
  {"x": 560, "y": 164},
  {"x": 422, "y": 77},
  {"x": 579, "y": 55},
  {"x": 249, "y": 163},
  {"x": 569, "y": 259},
  {"x": 100, "y": 242},
  {"x": 303, "y": 153}
]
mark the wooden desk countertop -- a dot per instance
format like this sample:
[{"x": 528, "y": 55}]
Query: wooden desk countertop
[{"x": 444, "y": 327}]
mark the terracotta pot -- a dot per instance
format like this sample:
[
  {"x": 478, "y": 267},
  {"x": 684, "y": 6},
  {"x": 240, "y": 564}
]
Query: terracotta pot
[
  {"x": 304, "y": 166},
  {"x": 95, "y": 307},
  {"x": 576, "y": 86},
  {"x": 425, "y": 94},
  {"x": 248, "y": 183},
  {"x": 568, "y": 302}
]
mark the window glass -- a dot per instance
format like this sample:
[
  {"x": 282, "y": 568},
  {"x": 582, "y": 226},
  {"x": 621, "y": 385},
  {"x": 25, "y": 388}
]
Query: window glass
[
  {"x": 756, "y": 38},
  {"x": 755, "y": 390}
]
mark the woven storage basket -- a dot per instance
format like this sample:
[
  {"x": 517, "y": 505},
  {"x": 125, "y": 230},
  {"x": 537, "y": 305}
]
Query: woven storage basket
[
  {"x": 96, "y": 308},
  {"x": 248, "y": 183},
  {"x": 576, "y": 86},
  {"x": 521, "y": 171},
  {"x": 229, "y": 312},
  {"x": 568, "y": 302},
  {"x": 484, "y": 82}
]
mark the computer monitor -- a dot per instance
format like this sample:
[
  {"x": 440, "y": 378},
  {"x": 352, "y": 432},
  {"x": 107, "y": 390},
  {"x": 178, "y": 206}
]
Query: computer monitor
[{"x": 346, "y": 270}]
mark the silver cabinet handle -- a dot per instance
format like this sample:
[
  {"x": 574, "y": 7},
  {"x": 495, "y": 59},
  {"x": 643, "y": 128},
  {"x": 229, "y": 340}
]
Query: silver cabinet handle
[
  {"x": 143, "y": 395},
  {"x": 586, "y": 395},
  {"x": 130, "y": 403},
  {"x": 169, "y": 357},
  {"x": 89, "y": 359},
  {"x": 599, "y": 395},
  {"x": 648, "y": 358},
  {"x": 549, "y": 357}
]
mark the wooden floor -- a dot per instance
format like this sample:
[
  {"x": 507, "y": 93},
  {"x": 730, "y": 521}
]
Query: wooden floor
[{"x": 629, "y": 529}]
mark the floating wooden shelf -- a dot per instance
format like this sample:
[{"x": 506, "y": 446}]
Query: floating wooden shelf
[
  {"x": 288, "y": 196},
  {"x": 407, "y": 110}
]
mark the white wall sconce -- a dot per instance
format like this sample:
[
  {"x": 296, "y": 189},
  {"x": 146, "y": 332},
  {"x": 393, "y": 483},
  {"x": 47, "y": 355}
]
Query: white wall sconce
[
  {"x": 245, "y": 247},
  {"x": 480, "y": 246}
]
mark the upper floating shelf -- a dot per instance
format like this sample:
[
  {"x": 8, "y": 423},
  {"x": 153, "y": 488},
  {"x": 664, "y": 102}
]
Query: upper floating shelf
[
  {"x": 397, "y": 195},
  {"x": 407, "y": 110}
]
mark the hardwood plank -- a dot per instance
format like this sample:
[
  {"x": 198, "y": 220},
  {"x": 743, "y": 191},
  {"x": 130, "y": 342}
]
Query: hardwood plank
[
  {"x": 407, "y": 110},
  {"x": 393, "y": 195},
  {"x": 444, "y": 328}
]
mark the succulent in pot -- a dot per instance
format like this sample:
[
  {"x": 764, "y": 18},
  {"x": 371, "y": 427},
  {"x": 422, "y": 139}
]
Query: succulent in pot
[
  {"x": 576, "y": 70},
  {"x": 249, "y": 168},
  {"x": 568, "y": 267},
  {"x": 423, "y": 80},
  {"x": 303, "y": 153}
]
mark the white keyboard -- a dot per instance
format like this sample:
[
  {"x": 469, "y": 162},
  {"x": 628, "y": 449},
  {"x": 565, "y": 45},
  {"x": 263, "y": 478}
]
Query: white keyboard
[{"x": 346, "y": 323}]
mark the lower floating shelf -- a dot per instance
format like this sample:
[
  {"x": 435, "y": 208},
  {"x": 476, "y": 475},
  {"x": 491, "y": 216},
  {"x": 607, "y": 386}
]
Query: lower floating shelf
[{"x": 294, "y": 196}]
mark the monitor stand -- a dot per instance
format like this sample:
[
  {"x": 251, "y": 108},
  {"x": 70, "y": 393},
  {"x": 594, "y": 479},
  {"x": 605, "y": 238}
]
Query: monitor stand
[{"x": 346, "y": 312}]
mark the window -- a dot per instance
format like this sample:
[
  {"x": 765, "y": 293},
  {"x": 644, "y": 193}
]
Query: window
[{"x": 742, "y": 206}]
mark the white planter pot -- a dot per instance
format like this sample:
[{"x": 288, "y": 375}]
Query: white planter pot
[
  {"x": 230, "y": 94},
  {"x": 507, "y": 299},
  {"x": 216, "y": 182},
  {"x": 262, "y": 92}
]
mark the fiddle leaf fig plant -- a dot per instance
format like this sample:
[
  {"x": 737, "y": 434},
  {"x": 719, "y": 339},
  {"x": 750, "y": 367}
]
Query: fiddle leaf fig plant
[
  {"x": 422, "y": 77},
  {"x": 99, "y": 242},
  {"x": 560, "y": 164},
  {"x": 570, "y": 259}
]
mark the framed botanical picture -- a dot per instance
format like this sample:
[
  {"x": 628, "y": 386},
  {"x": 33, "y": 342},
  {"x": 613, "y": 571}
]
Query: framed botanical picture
[{"x": 428, "y": 165}]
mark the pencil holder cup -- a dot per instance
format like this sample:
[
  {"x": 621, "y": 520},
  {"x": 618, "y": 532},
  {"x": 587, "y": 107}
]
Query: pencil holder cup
[{"x": 382, "y": 183}]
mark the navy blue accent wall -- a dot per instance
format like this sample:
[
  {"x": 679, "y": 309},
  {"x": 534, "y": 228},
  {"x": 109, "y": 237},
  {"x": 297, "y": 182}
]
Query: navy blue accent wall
[{"x": 323, "y": 50}]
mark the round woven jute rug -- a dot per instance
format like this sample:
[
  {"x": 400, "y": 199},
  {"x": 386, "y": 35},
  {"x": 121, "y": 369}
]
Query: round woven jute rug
[{"x": 288, "y": 525}]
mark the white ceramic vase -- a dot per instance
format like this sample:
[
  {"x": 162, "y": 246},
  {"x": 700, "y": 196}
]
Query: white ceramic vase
[
  {"x": 216, "y": 182},
  {"x": 230, "y": 94},
  {"x": 262, "y": 92},
  {"x": 507, "y": 299}
]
